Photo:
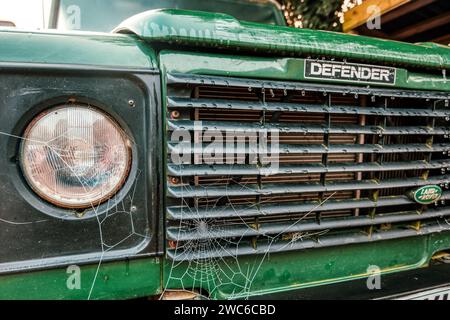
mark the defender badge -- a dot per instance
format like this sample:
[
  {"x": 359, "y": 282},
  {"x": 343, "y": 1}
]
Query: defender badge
[
  {"x": 427, "y": 194},
  {"x": 350, "y": 72}
]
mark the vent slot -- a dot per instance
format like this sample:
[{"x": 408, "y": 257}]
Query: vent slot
[{"x": 348, "y": 158}]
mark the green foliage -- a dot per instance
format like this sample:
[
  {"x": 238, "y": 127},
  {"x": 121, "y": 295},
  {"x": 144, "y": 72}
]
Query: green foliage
[{"x": 313, "y": 14}]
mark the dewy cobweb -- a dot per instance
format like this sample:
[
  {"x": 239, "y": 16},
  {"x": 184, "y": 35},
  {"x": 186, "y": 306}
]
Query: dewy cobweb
[
  {"x": 88, "y": 163},
  {"x": 213, "y": 274},
  {"x": 210, "y": 275}
]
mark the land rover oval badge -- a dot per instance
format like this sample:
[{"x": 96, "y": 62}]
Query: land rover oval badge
[{"x": 427, "y": 194}]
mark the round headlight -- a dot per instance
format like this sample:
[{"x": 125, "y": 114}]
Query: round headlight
[{"x": 75, "y": 156}]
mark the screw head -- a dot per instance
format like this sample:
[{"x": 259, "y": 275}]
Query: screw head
[
  {"x": 175, "y": 114},
  {"x": 174, "y": 180}
]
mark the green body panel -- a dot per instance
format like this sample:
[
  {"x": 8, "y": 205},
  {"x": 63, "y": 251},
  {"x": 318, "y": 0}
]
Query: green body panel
[
  {"x": 96, "y": 49},
  {"x": 113, "y": 280},
  {"x": 263, "y": 274},
  {"x": 118, "y": 280},
  {"x": 209, "y": 30},
  {"x": 258, "y": 275},
  {"x": 278, "y": 68}
]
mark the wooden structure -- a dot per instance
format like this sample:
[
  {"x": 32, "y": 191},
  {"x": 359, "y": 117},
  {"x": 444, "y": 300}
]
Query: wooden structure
[
  {"x": 5, "y": 23},
  {"x": 403, "y": 20}
]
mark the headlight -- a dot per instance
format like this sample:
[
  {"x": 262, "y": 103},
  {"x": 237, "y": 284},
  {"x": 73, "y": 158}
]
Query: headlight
[{"x": 75, "y": 156}]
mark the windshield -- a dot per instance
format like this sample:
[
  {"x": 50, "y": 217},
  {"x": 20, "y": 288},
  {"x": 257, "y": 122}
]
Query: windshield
[{"x": 105, "y": 15}]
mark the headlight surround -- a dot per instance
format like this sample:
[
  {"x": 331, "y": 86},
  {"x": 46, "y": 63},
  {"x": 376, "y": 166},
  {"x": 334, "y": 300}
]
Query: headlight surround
[{"x": 75, "y": 156}]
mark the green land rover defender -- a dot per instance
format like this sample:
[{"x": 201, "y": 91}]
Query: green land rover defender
[{"x": 191, "y": 148}]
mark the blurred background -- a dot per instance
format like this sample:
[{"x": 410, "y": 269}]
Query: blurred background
[
  {"x": 404, "y": 20},
  {"x": 25, "y": 14}
]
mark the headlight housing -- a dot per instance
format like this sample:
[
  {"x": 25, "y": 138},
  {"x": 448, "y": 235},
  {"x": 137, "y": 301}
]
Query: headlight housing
[{"x": 75, "y": 156}]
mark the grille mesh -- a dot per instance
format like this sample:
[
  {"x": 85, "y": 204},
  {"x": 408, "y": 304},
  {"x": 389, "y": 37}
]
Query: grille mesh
[{"x": 363, "y": 149}]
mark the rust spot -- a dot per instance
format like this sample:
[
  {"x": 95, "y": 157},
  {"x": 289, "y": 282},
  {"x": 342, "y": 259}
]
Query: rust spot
[
  {"x": 179, "y": 295},
  {"x": 172, "y": 244}
]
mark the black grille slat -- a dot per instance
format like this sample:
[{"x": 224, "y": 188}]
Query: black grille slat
[
  {"x": 193, "y": 80},
  {"x": 183, "y": 148},
  {"x": 254, "y": 190},
  {"x": 221, "y": 232},
  {"x": 349, "y": 158},
  {"x": 181, "y": 103},
  {"x": 242, "y": 170},
  {"x": 186, "y": 213},
  {"x": 233, "y": 127},
  {"x": 208, "y": 252}
]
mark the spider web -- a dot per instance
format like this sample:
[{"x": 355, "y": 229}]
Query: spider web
[
  {"x": 233, "y": 271},
  {"x": 210, "y": 274},
  {"x": 120, "y": 208},
  {"x": 103, "y": 213}
]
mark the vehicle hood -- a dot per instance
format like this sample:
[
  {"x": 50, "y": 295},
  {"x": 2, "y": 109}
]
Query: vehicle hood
[
  {"x": 75, "y": 48},
  {"x": 221, "y": 31}
]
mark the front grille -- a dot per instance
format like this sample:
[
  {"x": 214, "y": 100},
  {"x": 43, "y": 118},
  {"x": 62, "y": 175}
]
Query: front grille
[{"x": 348, "y": 158}]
